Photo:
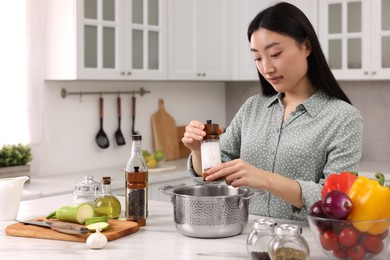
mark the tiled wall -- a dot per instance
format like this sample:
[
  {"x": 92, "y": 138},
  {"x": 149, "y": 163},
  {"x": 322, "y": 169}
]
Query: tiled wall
[{"x": 372, "y": 98}]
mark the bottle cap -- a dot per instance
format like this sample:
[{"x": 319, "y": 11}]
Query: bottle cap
[
  {"x": 106, "y": 180},
  {"x": 212, "y": 130},
  {"x": 136, "y": 137}
]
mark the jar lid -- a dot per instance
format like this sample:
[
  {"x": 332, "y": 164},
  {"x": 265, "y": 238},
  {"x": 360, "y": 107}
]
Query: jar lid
[
  {"x": 288, "y": 229},
  {"x": 212, "y": 130},
  {"x": 263, "y": 224},
  {"x": 87, "y": 185}
]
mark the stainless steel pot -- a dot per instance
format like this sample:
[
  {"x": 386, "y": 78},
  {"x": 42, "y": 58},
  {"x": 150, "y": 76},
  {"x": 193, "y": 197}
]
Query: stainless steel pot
[{"x": 209, "y": 211}]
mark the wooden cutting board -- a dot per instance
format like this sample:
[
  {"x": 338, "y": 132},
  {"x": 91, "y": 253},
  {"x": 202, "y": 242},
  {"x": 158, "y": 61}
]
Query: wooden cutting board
[
  {"x": 118, "y": 229},
  {"x": 165, "y": 133},
  {"x": 183, "y": 150}
]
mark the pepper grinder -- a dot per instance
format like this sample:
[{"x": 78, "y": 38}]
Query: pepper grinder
[{"x": 209, "y": 148}]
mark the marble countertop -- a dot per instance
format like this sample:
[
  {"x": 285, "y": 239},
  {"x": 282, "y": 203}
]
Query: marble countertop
[
  {"x": 159, "y": 239},
  {"x": 51, "y": 185}
]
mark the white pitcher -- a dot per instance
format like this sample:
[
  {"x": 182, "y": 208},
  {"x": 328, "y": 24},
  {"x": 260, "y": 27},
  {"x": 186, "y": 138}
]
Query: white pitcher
[{"x": 11, "y": 190}]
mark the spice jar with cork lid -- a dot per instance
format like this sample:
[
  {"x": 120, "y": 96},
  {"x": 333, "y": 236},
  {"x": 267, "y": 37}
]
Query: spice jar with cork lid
[
  {"x": 288, "y": 243},
  {"x": 209, "y": 148}
]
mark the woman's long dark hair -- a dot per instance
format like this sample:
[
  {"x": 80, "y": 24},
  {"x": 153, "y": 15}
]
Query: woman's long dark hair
[{"x": 287, "y": 19}]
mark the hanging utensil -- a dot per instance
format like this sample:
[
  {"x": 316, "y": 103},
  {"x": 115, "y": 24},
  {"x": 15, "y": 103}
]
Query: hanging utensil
[
  {"x": 101, "y": 137},
  {"x": 133, "y": 132},
  {"x": 120, "y": 140}
]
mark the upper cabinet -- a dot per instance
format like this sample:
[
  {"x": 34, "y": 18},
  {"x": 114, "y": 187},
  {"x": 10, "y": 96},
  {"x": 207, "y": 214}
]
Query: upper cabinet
[
  {"x": 198, "y": 41},
  {"x": 244, "y": 67},
  {"x": 106, "y": 39},
  {"x": 355, "y": 35}
]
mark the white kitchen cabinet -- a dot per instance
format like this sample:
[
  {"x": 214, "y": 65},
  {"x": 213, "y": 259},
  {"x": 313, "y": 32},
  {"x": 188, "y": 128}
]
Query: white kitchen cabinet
[
  {"x": 355, "y": 35},
  {"x": 106, "y": 39},
  {"x": 198, "y": 45},
  {"x": 244, "y": 11}
]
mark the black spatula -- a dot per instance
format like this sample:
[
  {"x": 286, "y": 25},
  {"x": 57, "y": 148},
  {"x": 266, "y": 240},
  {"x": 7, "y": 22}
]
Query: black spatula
[
  {"x": 101, "y": 137},
  {"x": 120, "y": 140}
]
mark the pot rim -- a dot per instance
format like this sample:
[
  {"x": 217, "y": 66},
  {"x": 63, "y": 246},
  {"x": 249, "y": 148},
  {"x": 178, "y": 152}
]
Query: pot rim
[{"x": 246, "y": 193}]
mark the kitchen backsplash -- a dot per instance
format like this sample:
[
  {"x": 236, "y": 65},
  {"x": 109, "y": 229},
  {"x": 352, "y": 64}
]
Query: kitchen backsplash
[
  {"x": 70, "y": 124},
  {"x": 372, "y": 98}
]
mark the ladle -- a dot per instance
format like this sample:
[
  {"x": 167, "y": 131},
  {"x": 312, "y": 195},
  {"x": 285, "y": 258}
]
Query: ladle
[{"x": 101, "y": 137}]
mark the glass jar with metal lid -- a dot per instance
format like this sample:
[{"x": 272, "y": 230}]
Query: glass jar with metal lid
[
  {"x": 85, "y": 191},
  {"x": 259, "y": 238},
  {"x": 288, "y": 243}
]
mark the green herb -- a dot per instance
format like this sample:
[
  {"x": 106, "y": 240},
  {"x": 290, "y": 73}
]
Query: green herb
[{"x": 14, "y": 155}]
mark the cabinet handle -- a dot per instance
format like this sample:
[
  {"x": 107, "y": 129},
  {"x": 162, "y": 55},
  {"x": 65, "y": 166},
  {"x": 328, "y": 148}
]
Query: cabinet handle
[
  {"x": 199, "y": 74},
  {"x": 373, "y": 73},
  {"x": 122, "y": 73},
  {"x": 204, "y": 75},
  {"x": 128, "y": 73},
  {"x": 366, "y": 73}
]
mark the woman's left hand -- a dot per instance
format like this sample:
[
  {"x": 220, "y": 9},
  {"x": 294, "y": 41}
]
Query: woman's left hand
[{"x": 238, "y": 173}]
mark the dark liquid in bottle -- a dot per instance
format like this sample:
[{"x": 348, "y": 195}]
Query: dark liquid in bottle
[{"x": 137, "y": 199}]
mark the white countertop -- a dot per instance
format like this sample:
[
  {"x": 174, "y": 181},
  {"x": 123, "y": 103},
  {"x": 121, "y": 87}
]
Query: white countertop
[
  {"x": 159, "y": 239},
  {"x": 51, "y": 185}
]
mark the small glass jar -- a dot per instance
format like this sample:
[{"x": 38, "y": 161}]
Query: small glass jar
[
  {"x": 288, "y": 243},
  {"x": 259, "y": 238},
  {"x": 85, "y": 191}
]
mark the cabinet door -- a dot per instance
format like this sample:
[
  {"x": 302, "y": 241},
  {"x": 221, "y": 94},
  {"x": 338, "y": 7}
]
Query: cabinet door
[
  {"x": 380, "y": 39},
  {"x": 345, "y": 37},
  {"x": 182, "y": 59},
  {"x": 198, "y": 39},
  {"x": 99, "y": 39},
  {"x": 212, "y": 44},
  {"x": 145, "y": 38}
]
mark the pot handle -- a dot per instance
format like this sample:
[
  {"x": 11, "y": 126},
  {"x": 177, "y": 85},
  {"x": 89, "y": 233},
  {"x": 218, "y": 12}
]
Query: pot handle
[
  {"x": 250, "y": 195},
  {"x": 165, "y": 189}
]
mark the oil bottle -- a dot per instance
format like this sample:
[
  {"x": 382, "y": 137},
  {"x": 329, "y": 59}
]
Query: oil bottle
[
  {"x": 136, "y": 184},
  {"x": 106, "y": 204}
]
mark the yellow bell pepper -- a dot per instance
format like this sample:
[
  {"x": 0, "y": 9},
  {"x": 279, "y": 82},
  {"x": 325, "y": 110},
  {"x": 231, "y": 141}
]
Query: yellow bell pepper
[{"x": 370, "y": 201}]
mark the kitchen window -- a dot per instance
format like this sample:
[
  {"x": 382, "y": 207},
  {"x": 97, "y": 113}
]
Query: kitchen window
[{"x": 13, "y": 67}]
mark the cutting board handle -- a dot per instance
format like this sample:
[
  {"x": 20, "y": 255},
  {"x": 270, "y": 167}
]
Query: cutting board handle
[{"x": 161, "y": 104}]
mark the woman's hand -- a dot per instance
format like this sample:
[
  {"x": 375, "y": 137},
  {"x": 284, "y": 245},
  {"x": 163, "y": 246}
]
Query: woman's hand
[
  {"x": 238, "y": 173},
  {"x": 193, "y": 135}
]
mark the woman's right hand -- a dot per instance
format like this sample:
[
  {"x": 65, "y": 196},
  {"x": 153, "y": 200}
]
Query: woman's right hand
[{"x": 193, "y": 135}]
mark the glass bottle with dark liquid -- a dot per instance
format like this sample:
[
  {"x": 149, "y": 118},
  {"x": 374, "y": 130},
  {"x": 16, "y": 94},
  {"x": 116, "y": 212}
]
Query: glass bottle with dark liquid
[{"x": 136, "y": 184}]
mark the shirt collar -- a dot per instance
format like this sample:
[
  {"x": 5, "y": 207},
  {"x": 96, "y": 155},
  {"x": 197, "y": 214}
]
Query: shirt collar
[
  {"x": 313, "y": 105},
  {"x": 316, "y": 102}
]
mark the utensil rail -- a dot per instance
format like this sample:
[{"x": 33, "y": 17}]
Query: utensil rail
[{"x": 141, "y": 91}]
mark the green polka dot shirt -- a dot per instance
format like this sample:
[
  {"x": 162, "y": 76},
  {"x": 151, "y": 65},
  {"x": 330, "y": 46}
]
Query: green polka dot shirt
[{"x": 323, "y": 135}]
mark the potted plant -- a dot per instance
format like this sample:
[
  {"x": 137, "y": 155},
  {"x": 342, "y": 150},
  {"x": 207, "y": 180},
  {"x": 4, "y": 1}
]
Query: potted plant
[{"x": 14, "y": 160}]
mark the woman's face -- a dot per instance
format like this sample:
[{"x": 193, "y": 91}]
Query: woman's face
[{"x": 281, "y": 60}]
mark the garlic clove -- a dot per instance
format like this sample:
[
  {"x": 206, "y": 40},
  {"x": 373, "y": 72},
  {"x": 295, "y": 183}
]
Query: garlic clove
[{"x": 96, "y": 240}]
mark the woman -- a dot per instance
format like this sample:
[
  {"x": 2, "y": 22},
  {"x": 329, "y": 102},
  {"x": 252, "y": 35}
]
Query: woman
[{"x": 301, "y": 129}]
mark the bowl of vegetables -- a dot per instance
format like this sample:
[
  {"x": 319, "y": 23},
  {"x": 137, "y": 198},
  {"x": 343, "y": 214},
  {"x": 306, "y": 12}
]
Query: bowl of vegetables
[{"x": 352, "y": 220}]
